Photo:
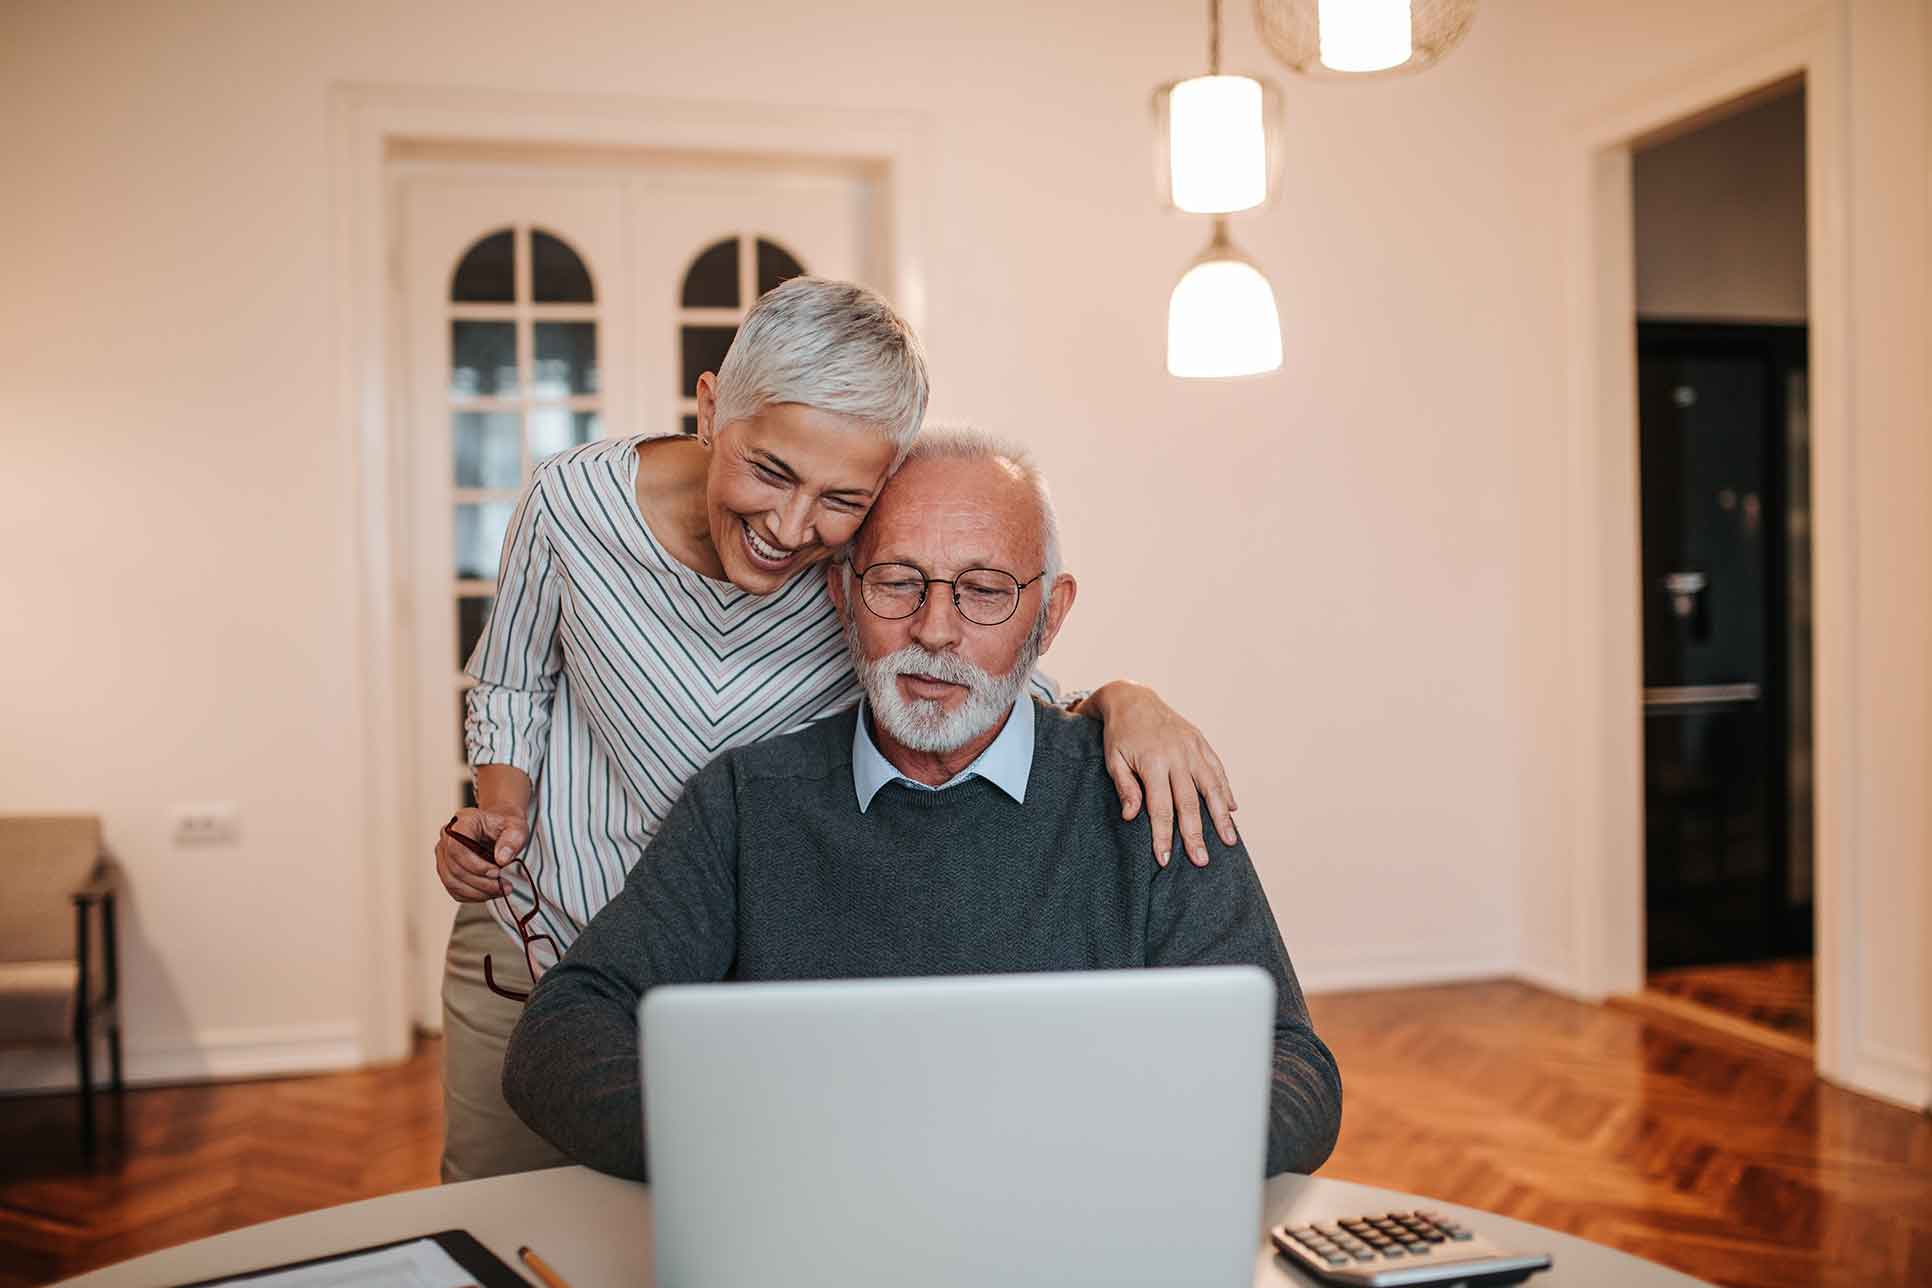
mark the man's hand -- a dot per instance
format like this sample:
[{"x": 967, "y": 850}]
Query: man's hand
[{"x": 1153, "y": 752}]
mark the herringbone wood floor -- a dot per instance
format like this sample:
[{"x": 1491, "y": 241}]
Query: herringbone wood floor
[
  {"x": 1710, "y": 1154},
  {"x": 200, "y": 1160},
  {"x": 1715, "y": 1156}
]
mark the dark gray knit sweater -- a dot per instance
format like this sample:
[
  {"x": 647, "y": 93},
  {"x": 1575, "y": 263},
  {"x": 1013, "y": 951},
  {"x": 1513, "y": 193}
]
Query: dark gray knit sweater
[{"x": 766, "y": 869}]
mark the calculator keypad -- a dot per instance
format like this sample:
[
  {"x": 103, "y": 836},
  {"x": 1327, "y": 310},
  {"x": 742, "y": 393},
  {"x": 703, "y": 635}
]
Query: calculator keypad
[{"x": 1380, "y": 1239}]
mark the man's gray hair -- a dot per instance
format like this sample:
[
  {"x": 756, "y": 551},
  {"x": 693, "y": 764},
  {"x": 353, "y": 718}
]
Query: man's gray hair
[
  {"x": 835, "y": 346},
  {"x": 963, "y": 443}
]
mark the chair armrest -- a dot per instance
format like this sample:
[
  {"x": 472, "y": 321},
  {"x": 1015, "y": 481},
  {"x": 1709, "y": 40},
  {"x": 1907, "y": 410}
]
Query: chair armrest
[{"x": 104, "y": 883}]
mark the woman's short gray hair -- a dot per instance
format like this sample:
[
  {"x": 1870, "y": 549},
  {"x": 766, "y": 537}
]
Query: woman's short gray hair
[
  {"x": 963, "y": 443},
  {"x": 835, "y": 346}
]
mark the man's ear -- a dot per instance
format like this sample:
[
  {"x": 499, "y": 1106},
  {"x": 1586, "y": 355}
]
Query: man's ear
[
  {"x": 1059, "y": 604},
  {"x": 835, "y": 587}
]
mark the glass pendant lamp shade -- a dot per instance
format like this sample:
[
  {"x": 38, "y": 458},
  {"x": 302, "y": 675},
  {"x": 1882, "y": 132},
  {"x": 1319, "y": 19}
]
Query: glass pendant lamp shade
[
  {"x": 1217, "y": 143},
  {"x": 1363, "y": 35},
  {"x": 1355, "y": 38},
  {"x": 1221, "y": 318}
]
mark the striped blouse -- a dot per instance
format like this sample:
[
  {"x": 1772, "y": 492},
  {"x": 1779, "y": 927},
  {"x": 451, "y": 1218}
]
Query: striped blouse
[{"x": 610, "y": 672}]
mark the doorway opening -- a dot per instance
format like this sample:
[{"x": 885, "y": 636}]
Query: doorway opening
[{"x": 1722, "y": 340}]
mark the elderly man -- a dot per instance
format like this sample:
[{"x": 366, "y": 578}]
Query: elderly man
[{"x": 949, "y": 825}]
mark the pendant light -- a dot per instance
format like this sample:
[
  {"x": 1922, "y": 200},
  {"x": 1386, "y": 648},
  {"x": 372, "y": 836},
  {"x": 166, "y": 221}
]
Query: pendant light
[
  {"x": 1217, "y": 138},
  {"x": 1221, "y": 318},
  {"x": 1218, "y": 153},
  {"x": 1350, "y": 39}
]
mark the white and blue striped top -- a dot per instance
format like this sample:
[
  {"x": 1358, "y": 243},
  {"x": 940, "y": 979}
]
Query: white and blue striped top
[{"x": 610, "y": 672}]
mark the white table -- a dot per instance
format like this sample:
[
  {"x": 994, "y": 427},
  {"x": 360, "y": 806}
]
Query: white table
[{"x": 596, "y": 1232}]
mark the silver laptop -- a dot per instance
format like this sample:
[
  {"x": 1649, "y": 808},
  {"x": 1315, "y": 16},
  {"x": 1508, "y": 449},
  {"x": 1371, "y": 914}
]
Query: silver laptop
[{"x": 1090, "y": 1128}]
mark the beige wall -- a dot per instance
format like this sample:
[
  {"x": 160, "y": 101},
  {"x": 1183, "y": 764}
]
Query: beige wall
[
  {"x": 1890, "y": 144},
  {"x": 1721, "y": 219},
  {"x": 1343, "y": 572}
]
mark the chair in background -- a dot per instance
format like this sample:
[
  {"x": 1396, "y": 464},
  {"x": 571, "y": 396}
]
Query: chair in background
[{"x": 59, "y": 978}]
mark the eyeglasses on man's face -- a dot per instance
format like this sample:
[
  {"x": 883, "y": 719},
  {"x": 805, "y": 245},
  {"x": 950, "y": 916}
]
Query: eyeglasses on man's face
[{"x": 983, "y": 596}]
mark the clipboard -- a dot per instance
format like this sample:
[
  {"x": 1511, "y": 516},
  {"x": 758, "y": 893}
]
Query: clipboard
[{"x": 485, "y": 1268}]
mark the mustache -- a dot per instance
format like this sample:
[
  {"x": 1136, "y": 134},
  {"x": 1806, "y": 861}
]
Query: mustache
[{"x": 949, "y": 667}]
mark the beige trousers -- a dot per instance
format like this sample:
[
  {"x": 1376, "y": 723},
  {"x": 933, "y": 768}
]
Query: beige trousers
[{"x": 482, "y": 1136}]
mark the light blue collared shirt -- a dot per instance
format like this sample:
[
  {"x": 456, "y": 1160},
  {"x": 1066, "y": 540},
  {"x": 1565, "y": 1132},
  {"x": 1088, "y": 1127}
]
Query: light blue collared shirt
[{"x": 1006, "y": 763}]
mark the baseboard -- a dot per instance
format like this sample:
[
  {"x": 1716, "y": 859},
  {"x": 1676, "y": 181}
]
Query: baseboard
[
  {"x": 1890, "y": 1074},
  {"x": 1443, "y": 965},
  {"x": 216, "y": 1055},
  {"x": 1554, "y": 981}
]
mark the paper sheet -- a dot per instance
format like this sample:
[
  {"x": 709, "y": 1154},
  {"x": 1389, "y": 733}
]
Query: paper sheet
[{"x": 422, "y": 1264}]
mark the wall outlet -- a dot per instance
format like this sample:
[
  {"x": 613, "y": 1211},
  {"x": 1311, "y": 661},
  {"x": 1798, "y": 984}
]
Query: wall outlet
[{"x": 217, "y": 824}]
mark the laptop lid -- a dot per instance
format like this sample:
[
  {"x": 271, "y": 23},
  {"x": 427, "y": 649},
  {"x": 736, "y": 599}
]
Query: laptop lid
[{"x": 1081, "y": 1128}]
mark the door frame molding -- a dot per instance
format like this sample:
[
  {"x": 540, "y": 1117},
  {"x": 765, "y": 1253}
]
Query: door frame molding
[
  {"x": 1601, "y": 782},
  {"x": 365, "y": 121}
]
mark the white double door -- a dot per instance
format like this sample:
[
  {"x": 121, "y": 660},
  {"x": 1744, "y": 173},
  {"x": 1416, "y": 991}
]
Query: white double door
[{"x": 546, "y": 303}]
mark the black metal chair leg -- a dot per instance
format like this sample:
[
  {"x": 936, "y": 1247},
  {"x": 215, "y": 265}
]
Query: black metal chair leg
[
  {"x": 87, "y": 1098},
  {"x": 84, "y": 1034},
  {"x": 110, "y": 946},
  {"x": 120, "y": 1090}
]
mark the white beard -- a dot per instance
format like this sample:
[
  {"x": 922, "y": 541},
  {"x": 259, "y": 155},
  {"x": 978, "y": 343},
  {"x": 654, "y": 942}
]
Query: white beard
[{"x": 922, "y": 724}]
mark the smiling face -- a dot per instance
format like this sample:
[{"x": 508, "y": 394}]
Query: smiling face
[
  {"x": 786, "y": 488},
  {"x": 945, "y": 516}
]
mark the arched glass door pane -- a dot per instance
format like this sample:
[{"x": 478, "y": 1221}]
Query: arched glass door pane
[
  {"x": 487, "y": 274},
  {"x": 558, "y": 274},
  {"x": 712, "y": 280},
  {"x": 776, "y": 265}
]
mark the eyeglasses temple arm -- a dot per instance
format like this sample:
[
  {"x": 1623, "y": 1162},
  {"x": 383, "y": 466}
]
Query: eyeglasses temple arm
[{"x": 489, "y": 979}]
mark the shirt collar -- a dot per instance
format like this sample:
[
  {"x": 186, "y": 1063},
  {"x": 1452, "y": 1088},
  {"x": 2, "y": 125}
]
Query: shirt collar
[{"x": 1007, "y": 762}]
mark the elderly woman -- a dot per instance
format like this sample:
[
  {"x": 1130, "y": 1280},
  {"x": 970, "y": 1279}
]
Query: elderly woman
[{"x": 659, "y": 602}]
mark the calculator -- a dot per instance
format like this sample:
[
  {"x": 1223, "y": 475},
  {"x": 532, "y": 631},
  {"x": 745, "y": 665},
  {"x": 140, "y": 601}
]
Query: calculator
[{"x": 1391, "y": 1249}]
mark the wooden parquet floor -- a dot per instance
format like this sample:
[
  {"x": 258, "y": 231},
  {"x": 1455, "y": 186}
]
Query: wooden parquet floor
[
  {"x": 1777, "y": 995},
  {"x": 203, "y": 1159},
  {"x": 1715, "y": 1156},
  {"x": 1718, "y": 1157}
]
